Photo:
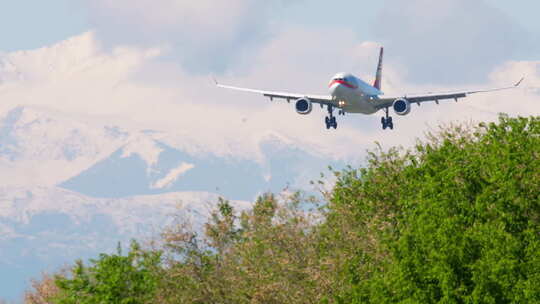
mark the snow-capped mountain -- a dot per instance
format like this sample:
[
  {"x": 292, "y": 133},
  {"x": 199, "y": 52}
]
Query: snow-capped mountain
[
  {"x": 150, "y": 166},
  {"x": 45, "y": 148},
  {"x": 72, "y": 188},
  {"x": 42, "y": 229},
  {"x": 91, "y": 155},
  {"x": 41, "y": 147}
]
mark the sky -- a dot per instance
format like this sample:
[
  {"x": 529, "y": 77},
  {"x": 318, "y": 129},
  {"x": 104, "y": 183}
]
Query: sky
[
  {"x": 28, "y": 24},
  {"x": 111, "y": 58},
  {"x": 147, "y": 65},
  {"x": 144, "y": 63},
  {"x": 505, "y": 29}
]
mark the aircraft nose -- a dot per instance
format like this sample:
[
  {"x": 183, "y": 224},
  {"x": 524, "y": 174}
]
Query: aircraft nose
[{"x": 334, "y": 88}]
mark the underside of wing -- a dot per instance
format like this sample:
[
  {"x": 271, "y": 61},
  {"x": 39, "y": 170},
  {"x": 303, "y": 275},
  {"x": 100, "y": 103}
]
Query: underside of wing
[
  {"x": 388, "y": 101},
  {"x": 322, "y": 99},
  {"x": 436, "y": 97}
]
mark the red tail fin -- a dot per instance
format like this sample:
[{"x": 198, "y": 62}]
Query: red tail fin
[{"x": 378, "y": 76}]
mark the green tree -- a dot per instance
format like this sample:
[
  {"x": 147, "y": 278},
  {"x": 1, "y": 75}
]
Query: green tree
[
  {"x": 115, "y": 279},
  {"x": 457, "y": 220},
  {"x": 266, "y": 255}
]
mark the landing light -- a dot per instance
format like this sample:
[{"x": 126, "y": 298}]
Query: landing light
[{"x": 341, "y": 103}]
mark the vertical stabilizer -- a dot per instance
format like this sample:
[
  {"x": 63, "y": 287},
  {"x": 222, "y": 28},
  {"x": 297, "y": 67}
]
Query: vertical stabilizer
[{"x": 378, "y": 76}]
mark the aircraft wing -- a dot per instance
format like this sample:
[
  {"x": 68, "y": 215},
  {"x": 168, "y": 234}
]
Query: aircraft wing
[
  {"x": 382, "y": 103},
  {"x": 321, "y": 99}
]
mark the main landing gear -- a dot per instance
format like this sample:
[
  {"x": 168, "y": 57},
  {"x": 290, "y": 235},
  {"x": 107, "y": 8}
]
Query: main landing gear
[
  {"x": 330, "y": 119},
  {"x": 387, "y": 121}
]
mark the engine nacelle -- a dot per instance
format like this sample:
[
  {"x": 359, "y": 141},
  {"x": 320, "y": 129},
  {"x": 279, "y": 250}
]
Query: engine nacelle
[
  {"x": 303, "y": 106},
  {"x": 401, "y": 106}
]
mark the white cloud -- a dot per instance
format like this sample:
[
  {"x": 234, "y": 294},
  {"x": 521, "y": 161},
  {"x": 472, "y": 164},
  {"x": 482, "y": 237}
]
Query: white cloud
[
  {"x": 106, "y": 84},
  {"x": 202, "y": 18},
  {"x": 127, "y": 87},
  {"x": 203, "y": 35},
  {"x": 451, "y": 41}
]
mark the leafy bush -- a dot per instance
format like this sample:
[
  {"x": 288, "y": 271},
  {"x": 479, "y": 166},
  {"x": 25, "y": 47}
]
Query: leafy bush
[{"x": 114, "y": 279}]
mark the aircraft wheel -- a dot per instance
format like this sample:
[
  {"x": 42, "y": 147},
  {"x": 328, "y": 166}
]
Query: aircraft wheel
[
  {"x": 335, "y": 124},
  {"x": 391, "y": 125}
]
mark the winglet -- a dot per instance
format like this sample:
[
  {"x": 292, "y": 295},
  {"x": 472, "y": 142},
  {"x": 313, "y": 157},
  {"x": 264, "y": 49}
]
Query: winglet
[
  {"x": 519, "y": 82},
  {"x": 215, "y": 81}
]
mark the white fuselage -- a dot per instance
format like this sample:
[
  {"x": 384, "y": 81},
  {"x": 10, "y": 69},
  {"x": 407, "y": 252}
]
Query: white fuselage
[{"x": 352, "y": 94}]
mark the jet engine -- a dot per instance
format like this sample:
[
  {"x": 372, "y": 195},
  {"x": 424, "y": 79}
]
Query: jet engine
[
  {"x": 303, "y": 106},
  {"x": 401, "y": 106}
]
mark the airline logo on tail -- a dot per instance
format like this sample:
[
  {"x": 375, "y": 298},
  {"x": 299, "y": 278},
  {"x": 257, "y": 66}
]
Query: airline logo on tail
[{"x": 378, "y": 76}]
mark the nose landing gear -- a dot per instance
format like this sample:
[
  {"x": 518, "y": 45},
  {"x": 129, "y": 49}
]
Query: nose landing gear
[
  {"x": 330, "y": 120},
  {"x": 387, "y": 121}
]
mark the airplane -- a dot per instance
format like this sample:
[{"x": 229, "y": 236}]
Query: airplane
[{"x": 350, "y": 94}]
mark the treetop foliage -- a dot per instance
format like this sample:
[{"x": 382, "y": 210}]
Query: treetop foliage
[{"x": 455, "y": 219}]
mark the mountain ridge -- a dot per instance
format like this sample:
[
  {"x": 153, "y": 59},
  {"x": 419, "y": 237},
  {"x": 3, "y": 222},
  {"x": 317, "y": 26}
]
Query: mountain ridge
[
  {"x": 72, "y": 188},
  {"x": 42, "y": 228}
]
